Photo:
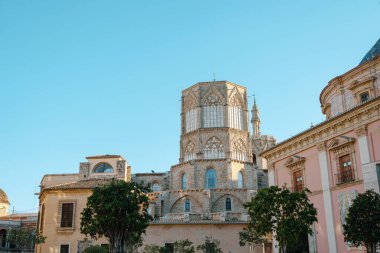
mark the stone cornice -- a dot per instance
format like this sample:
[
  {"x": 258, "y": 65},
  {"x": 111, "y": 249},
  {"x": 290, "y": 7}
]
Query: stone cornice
[{"x": 350, "y": 120}]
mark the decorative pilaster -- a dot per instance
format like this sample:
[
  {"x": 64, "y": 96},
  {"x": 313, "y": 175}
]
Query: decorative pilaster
[
  {"x": 361, "y": 132},
  {"x": 325, "y": 172}
]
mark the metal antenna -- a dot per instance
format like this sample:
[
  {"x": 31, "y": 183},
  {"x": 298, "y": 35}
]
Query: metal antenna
[{"x": 214, "y": 76}]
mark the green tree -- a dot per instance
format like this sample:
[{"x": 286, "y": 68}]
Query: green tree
[
  {"x": 184, "y": 246},
  {"x": 363, "y": 221},
  {"x": 95, "y": 249},
  {"x": 210, "y": 245},
  {"x": 250, "y": 237},
  {"x": 25, "y": 238},
  {"x": 117, "y": 211},
  {"x": 289, "y": 215}
]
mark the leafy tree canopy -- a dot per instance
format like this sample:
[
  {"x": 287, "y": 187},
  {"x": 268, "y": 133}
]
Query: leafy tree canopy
[
  {"x": 210, "y": 245},
  {"x": 363, "y": 221},
  {"x": 25, "y": 238},
  {"x": 117, "y": 211},
  {"x": 287, "y": 214},
  {"x": 95, "y": 249}
]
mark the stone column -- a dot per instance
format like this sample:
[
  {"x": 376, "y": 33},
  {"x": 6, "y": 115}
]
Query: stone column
[
  {"x": 370, "y": 177},
  {"x": 329, "y": 216}
]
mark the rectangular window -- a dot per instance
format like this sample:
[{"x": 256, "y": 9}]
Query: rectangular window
[
  {"x": 297, "y": 180},
  {"x": 213, "y": 116},
  {"x": 67, "y": 215},
  {"x": 364, "y": 97},
  {"x": 191, "y": 118},
  {"x": 65, "y": 248},
  {"x": 345, "y": 171}
]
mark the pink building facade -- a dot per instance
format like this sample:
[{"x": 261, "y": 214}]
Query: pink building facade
[{"x": 338, "y": 158}]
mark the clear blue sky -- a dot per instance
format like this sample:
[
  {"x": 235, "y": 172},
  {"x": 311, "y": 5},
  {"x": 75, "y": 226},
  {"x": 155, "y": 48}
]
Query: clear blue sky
[{"x": 81, "y": 78}]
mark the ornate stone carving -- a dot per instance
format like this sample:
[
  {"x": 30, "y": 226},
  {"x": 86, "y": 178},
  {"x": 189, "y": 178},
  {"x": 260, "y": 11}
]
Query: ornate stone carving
[
  {"x": 212, "y": 99},
  {"x": 239, "y": 146},
  {"x": 189, "y": 151},
  {"x": 214, "y": 143},
  {"x": 361, "y": 130},
  {"x": 214, "y": 148},
  {"x": 295, "y": 163},
  {"x": 321, "y": 146},
  {"x": 190, "y": 103},
  {"x": 236, "y": 101}
]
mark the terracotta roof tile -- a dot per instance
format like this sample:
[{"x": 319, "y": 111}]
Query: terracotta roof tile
[{"x": 82, "y": 184}]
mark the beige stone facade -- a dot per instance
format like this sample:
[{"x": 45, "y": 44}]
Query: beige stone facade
[{"x": 63, "y": 197}]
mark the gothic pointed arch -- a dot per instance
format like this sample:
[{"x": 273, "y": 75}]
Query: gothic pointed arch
[
  {"x": 236, "y": 99},
  {"x": 218, "y": 204},
  {"x": 236, "y": 107},
  {"x": 213, "y": 97},
  {"x": 239, "y": 150},
  {"x": 213, "y": 108},
  {"x": 213, "y": 148},
  {"x": 178, "y": 205},
  {"x": 189, "y": 151}
]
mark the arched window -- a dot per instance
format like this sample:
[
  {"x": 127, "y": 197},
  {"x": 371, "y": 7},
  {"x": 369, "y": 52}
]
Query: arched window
[
  {"x": 103, "y": 168},
  {"x": 228, "y": 204},
  {"x": 184, "y": 181},
  {"x": 187, "y": 205},
  {"x": 236, "y": 113},
  {"x": 156, "y": 187},
  {"x": 210, "y": 179},
  {"x": 189, "y": 151},
  {"x": 214, "y": 148},
  {"x": 239, "y": 151},
  {"x": 213, "y": 115},
  {"x": 191, "y": 114},
  {"x": 240, "y": 180}
]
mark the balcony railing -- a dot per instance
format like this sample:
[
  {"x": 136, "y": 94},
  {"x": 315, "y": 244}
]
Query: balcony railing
[{"x": 344, "y": 176}]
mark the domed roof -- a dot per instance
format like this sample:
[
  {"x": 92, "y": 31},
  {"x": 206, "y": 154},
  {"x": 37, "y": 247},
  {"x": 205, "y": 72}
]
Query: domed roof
[
  {"x": 372, "y": 53},
  {"x": 3, "y": 197}
]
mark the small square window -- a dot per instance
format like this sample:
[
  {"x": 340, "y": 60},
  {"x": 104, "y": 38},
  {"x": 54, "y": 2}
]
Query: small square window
[{"x": 364, "y": 97}]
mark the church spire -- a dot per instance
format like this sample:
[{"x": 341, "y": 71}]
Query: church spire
[{"x": 255, "y": 119}]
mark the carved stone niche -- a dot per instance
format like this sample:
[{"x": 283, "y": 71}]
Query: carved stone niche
[{"x": 84, "y": 170}]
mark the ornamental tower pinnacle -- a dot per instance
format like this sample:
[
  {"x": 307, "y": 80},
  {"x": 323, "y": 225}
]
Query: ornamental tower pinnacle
[{"x": 255, "y": 119}]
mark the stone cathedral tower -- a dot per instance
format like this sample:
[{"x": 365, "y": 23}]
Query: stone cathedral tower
[{"x": 215, "y": 173}]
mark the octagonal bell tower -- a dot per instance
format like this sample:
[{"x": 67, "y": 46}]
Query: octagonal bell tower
[{"x": 214, "y": 137}]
